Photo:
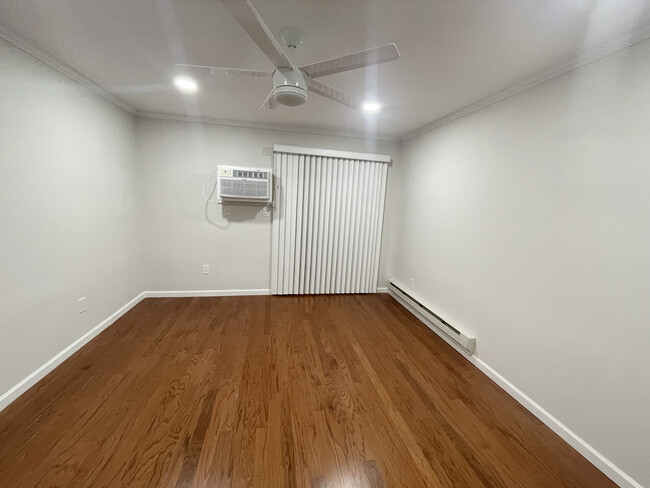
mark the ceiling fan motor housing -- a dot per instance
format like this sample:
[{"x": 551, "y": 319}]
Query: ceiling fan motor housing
[{"x": 289, "y": 87}]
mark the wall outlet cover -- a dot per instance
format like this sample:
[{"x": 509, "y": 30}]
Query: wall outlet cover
[
  {"x": 82, "y": 304},
  {"x": 206, "y": 269}
]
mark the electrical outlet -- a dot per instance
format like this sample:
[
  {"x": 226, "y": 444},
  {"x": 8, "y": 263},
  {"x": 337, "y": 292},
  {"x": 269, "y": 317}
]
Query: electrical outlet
[
  {"x": 206, "y": 269},
  {"x": 226, "y": 210},
  {"x": 82, "y": 304},
  {"x": 266, "y": 211},
  {"x": 412, "y": 282}
]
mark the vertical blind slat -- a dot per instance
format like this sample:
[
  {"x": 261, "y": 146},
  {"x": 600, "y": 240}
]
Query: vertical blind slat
[
  {"x": 366, "y": 230},
  {"x": 299, "y": 223},
  {"x": 329, "y": 223},
  {"x": 349, "y": 244},
  {"x": 314, "y": 244},
  {"x": 305, "y": 223},
  {"x": 326, "y": 226},
  {"x": 373, "y": 226},
  {"x": 356, "y": 234},
  {"x": 331, "y": 282},
  {"x": 380, "y": 221},
  {"x": 281, "y": 209},
  {"x": 310, "y": 229},
  {"x": 343, "y": 171},
  {"x": 275, "y": 232},
  {"x": 345, "y": 231},
  {"x": 363, "y": 227},
  {"x": 291, "y": 228}
]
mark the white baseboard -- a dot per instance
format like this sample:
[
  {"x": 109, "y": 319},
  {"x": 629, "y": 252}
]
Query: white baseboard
[
  {"x": 24, "y": 385},
  {"x": 207, "y": 293},
  {"x": 40, "y": 373},
  {"x": 608, "y": 468},
  {"x": 383, "y": 289}
]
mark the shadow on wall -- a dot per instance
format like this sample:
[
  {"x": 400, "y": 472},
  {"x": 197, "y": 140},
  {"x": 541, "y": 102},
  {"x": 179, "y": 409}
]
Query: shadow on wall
[
  {"x": 222, "y": 216},
  {"x": 585, "y": 42}
]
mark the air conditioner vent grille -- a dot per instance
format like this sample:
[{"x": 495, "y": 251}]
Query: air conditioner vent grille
[{"x": 245, "y": 185}]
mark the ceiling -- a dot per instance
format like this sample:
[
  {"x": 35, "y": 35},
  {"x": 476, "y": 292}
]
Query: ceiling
[{"x": 454, "y": 52}]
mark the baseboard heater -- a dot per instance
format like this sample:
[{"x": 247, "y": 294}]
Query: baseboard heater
[{"x": 454, "y": 334}]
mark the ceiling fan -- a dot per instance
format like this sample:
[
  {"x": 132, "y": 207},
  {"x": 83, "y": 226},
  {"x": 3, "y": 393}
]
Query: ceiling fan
[{"x": 290, "y": 82}]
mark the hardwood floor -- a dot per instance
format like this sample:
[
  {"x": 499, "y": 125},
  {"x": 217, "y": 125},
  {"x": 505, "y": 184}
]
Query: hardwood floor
[{"x": 326, "y": 391}]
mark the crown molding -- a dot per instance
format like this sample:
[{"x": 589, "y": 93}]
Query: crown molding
[
  {"x": 64, "y": 69},
  {"x": 591, "y": 56},
  {"x": 102, "y": 92},
  {"x": 265, "y": 126}
]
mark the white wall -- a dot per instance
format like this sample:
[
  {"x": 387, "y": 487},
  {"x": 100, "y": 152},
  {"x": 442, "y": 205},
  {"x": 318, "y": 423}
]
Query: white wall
[
  {"x": 182, "y": 233},
  {"x": 67, "y": 212},
  {"x": 87, "y": 211},
  {"x": 527, "y": 225}
]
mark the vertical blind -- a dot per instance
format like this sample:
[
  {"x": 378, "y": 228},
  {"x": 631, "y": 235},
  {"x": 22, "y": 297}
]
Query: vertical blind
[{"x": 327, "y": 221}]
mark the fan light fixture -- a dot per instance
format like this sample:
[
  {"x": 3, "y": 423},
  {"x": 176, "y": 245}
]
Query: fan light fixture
[
  {"x": 371, "y": 107},
  {"x": 186, "y": 84}
]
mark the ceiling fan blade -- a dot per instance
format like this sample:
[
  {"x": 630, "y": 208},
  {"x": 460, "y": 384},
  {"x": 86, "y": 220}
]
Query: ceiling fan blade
[
  {"x": 250, "y": 20},
  {"x": 369, "y": 57},
  {"x": 270, "y": 101},
  {"x": 219, "y": 70},
  {"x": 332, "y": 93}
]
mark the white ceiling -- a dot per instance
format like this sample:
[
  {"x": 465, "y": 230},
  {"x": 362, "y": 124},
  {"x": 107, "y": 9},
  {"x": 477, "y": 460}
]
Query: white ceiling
[{"x": 454, "y": 52}]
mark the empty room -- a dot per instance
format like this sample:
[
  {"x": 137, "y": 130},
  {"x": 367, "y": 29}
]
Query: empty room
[{"x": 324, "y": 244}]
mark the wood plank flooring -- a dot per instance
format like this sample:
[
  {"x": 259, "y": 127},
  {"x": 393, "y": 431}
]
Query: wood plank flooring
[{"x": 325, "y": 391}]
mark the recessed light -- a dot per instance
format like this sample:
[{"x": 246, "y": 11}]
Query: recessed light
[
  {"x": 371, "y": 107},
  {"x": 186, "y": 84}
]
